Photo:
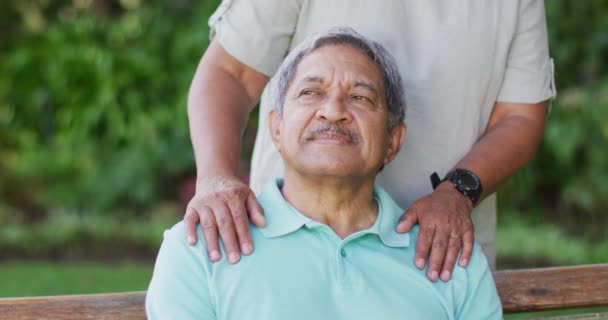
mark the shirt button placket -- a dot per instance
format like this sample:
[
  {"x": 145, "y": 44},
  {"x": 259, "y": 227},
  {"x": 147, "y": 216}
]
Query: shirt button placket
[{"x": 340, "y": 256}]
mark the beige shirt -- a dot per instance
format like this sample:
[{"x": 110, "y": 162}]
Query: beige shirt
[{"x": 457, "y": 58}]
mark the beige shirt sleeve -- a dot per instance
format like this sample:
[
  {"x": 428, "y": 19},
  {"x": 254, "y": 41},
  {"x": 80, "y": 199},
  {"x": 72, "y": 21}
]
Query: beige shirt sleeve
[
  {"x": 256, "y": 32},
  {"x": 529, "y": 71}
]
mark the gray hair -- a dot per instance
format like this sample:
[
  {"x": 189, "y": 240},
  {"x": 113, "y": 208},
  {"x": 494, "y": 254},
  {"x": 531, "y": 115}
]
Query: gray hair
[{"x": 392, "y": 83}]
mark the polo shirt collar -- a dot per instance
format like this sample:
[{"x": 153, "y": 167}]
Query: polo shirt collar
[
  {"x": 389, "y": 214},
  {"x": 283, "y": 219}
]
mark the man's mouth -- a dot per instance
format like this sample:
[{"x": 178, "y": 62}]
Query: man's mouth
[{"x": 333, "y": 134}]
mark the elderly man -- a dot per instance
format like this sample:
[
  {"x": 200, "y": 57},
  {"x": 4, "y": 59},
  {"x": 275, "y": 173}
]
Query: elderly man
[{"x": 337, "y": 121}]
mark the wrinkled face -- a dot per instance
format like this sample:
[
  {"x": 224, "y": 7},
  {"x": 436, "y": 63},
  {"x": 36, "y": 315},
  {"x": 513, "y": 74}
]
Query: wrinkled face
[{"x": 334, "y": 119}]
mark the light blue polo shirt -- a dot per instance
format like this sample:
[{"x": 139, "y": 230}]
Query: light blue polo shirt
[{"x": 301, "y": 269}]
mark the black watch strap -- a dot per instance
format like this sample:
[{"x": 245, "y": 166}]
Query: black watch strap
[
  {"x": 465, "y": 181},
  {"x": 435, "y": 180}
]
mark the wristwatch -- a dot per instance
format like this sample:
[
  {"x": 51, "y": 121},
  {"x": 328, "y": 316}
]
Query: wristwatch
[{"x": 465, "y": 181}]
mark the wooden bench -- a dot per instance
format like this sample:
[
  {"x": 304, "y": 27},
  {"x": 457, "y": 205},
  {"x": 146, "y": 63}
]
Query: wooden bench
[{"x": 519, "y": 290}]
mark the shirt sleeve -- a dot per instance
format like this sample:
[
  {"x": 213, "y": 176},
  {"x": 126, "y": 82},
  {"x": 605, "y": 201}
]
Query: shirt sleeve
[
  {"x": 529, "y": 71},
  {"x": 256, "y": 32},
  {"x": 180, "y": 283},
  {"x": 481, "y": 300}
]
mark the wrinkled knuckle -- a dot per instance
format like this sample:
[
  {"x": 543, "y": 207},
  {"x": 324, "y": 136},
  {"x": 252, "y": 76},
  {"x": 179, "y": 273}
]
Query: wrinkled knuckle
[
  {"x": 196, "y": 202},
  {"x": 440, "y": 244},
  {"x": 190, "y": 213},
  {"x": 232, "y": 193},
  {"x": 204, "y": 200},
  {"x": 207, "y": 224},
  {"x": 424, "y": 237},
  {"x": 454, "y": 245},
  {"x": 224, "y": 222},
  {"x": 240, "y": 218}
]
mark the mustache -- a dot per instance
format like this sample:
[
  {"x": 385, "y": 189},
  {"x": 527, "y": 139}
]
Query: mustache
[{"x": 333, "y": 128}]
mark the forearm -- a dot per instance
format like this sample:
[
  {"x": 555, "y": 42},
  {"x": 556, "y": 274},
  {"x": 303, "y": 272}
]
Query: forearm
[
  {"x": 217, "y": 114},
  {"x": 222, "y": 94},
  {"x": 510, "y": 142}
]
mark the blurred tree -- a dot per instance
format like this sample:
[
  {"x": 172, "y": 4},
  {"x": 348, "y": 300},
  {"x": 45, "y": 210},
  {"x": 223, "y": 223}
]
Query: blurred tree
[
  {"x": 578, "y": 37},
  {"x": 93, "y": 107},
  {"x": 566, "y": 183}
]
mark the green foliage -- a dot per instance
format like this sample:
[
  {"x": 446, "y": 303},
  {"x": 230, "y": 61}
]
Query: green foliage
[
  {"x": 65, "y": 236},
  {"x": 93, "y": 108},
  {"x": 548, "y": 243},
  {"x": 578, "y": 39},
  {"x": 566, "y": 183},
  {"x": 568, "y": 177}
]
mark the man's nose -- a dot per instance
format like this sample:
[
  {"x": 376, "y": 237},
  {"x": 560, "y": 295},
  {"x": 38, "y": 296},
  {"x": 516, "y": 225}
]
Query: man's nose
[{"x": 334, "y": 110}]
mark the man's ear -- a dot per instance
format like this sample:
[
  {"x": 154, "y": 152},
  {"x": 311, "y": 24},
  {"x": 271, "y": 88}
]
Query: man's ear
[
  {"x": 274, "y": 125},
  {"x": 396, "y": 138}
]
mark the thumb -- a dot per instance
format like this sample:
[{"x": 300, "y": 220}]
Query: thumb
[
  {"x": 256, "y": 212},
  {"x": 407, "y": 221}
]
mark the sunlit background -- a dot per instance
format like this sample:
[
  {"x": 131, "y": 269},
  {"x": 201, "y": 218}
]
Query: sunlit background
[{"x": 96, "y": 161}]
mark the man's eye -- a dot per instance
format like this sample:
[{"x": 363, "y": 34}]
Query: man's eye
[
  {"x": 308, "y": 92},
  {"x": 360, "y": 98}
]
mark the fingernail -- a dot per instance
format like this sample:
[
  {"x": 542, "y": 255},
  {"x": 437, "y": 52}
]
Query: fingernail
[
  {"x": 247, "y": 248},
  {"x": 215, "y": 255},
  {"x": 420, "y": 263},
  {"x": 233, "y": 257},
  {"x": 463, "y": 262},
  {"x": 445, "y": 276},
  {"x": 190, "y": 240},
  {"x": 434, "y": 275}
]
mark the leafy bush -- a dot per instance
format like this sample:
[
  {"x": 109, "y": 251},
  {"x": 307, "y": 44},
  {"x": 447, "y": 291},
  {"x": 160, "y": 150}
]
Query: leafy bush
[
  {"x": 93, "y": 109},
  {"x": 568, "y": 177},
  {"x": 566, "y": 183},
  {"x": 578, "y": 37}
]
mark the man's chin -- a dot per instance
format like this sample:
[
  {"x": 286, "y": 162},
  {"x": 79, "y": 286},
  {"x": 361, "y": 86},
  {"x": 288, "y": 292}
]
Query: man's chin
[
  {"x": 333, "y": 170},
  {"x": 335, "y": 141}
]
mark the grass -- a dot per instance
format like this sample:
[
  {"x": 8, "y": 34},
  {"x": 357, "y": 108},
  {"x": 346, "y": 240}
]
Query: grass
[
  {"x": 39, "y": 278},
  {"x": 547, "y": 314},
  {"x": 524, "y": 241},
  {"x": 65, "y": 235}
]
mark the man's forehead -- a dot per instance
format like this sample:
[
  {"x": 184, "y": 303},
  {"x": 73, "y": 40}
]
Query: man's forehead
[
  {"x": 363, "y": 83},
  {"x": 321, "y": 66}
]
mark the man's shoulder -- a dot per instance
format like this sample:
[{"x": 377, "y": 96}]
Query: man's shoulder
[
  {"x": 195, "y": 257},
  {"x": 176, "y": 245},
  {"x": 177, "y": 233}
]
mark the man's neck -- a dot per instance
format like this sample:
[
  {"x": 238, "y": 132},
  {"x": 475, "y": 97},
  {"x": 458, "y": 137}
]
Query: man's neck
[{"x": 345, "y": 205}]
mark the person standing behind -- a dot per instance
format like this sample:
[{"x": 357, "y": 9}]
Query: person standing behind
[{"x": 478, "y": 77}]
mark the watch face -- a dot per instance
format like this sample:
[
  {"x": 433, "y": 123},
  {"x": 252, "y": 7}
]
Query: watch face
[{"x": 468, "y": 181}]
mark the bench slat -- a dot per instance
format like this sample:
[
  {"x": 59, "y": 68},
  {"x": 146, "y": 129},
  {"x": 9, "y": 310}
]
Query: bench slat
[
  {"x": 519, "y": 290},
  {"x": 553, "y": 288},
  {"x": 112, "y": 306}
]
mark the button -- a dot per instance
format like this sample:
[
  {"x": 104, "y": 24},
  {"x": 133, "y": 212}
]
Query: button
[{"x": 343, "y": 253}]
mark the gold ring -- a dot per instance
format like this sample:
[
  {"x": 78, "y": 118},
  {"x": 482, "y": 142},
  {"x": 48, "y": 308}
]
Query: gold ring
[{"x": 455, "y": 236}]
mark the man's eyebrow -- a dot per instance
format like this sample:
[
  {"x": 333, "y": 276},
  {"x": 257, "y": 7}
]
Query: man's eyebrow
[
  {"x": 312, "y": 79},
  {"x": 367, "y": 86}
]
